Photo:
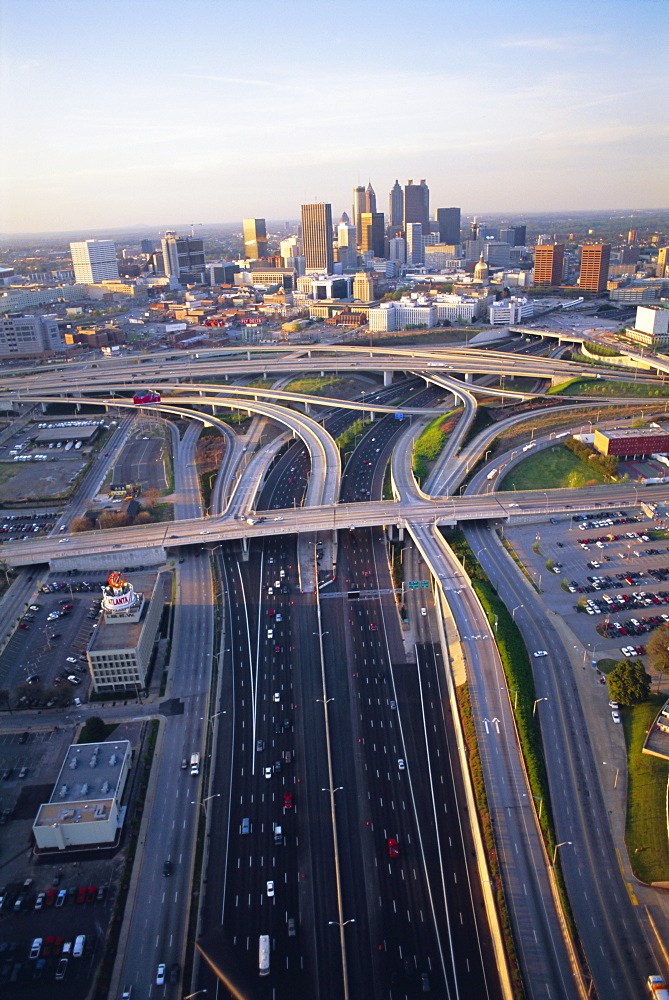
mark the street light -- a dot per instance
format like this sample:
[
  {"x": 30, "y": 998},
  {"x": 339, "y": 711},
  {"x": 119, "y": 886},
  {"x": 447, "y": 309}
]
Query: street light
[
  {"x": 563, "y": 844},
  {"x": 534, "y": 710},
  {"x": 203, "y": 803},
  {"x": 615, "y": 781},
  {"x": 336, "y": 923},
  {"x": 333, "y": 790},
  {"x": 513, "y": 613},
  {"x": 496, "y": 619},
  {"x": 196, "y": 994}
]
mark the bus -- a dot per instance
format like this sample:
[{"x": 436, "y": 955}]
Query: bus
[
  {"x": 263, "y": 955},
  {"x": 142, "y": 398}
]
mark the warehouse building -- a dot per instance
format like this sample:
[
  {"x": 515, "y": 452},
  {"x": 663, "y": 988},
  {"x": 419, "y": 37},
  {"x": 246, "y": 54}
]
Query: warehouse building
[{"x": 632, "y": 442}]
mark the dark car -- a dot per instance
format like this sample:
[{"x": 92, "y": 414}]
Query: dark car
[
  {"x": 167, "y": 868},
  {"x": 91, "y": 893},
  {"x": 175, "y": 969},
  {"x": 23, "y": 738}
]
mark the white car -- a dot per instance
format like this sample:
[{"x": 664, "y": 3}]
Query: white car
[
  {"x": 615, "y": 716},
  {"x": 160, "y": 975},
  {"x": 71, "y": 659},
  {"x": 204, "y": 532},
  {"x": 400, "y": 764},
  {"x": 270, "y": 633},
  {"x": 270, "y": 888},
  {"x": 539, "y": 652},
  {"x": 268, "y": 772},
  {"x": 614, "y": 705},
  {"x": 423, "y": 611},
  {"x": 277, "y": 696}
]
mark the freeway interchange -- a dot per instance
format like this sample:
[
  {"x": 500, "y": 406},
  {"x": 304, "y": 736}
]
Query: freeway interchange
[{"x": 322, "y": 721}]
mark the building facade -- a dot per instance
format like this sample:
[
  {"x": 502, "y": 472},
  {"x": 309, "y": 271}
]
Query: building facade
[
  {"x": 549, "y": 264},
  {"x": 255, "y": 239},
  {"x": 372, "y": 233},
  {"x": 317, "y": 237},
  {"x": 417, "y": 204},
  {"x": 662, "y": 263},
  {"x": 183, "y": 258},
  {"x": 29, "y": 335},
  {"x": 594, "y": 266},
  {"x": 94, "y": 261},
  {"x": 448, "y": 220},
  {"x": 396, "y": 205}
]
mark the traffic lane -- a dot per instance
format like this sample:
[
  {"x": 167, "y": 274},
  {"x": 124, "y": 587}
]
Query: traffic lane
[{"x": 590, "y": 866}]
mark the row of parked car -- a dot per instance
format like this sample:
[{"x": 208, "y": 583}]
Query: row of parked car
[{"x": 20, "y": 901}]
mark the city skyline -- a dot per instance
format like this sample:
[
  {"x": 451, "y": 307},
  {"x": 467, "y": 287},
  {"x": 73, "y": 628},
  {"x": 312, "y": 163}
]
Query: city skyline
[{"x": 519, "y": 114}]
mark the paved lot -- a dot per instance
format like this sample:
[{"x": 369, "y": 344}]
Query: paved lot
[{"x": 141, "y": 462}]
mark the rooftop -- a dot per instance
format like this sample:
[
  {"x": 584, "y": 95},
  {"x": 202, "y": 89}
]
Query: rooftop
[{"x": 87, "y": 784}]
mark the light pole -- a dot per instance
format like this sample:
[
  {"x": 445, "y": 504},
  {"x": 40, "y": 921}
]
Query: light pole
[
  {"x": 615, "y": 780},
  {"x": 210, "y": 718},
  {"x": 495, "y": 619},
  {"x": 196, "y": 994},
  {"x": 541, "y": 805},
  {"x": 513, "y": 692},
  {"x": 336, "y": 923},
  {"x": 534, "y": 710},
  {"x": 563, "y": 844},
  {"x": 203, "y": 802},
  {"x": 513, "y": 613}
]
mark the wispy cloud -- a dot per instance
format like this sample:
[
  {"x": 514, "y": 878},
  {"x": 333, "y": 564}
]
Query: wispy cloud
[{"x": 555, "y": 43}]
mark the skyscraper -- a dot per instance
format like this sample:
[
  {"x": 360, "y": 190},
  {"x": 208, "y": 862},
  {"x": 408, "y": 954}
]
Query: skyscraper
[
  {"x": 317, "y": 237},
  {"x": 396, "y": 205},
  {"x": 347, "y": 243},
  {"x": 662, "y": 262},
  {"x": 594, "y": 266},
  {"x": 372, "y": 233},
  {"x": 359, "y": 206},
  {"x": 449, "y": 225},
  {"x": 94, "y": 261},
  {"x": 370, "y": 198},
  {"x": 415, "y": 244},
  {"x": 183, "y": 258},
  {"x": 548, "y": 262},
  {"x": 255, "y": 239},
  {"x": 417, "y": 204}
]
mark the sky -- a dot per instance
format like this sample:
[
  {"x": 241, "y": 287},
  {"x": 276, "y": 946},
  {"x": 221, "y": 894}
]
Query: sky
[{"x": 117, "y": 113}]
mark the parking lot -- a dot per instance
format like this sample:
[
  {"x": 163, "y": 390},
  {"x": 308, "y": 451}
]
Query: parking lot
[
  {"x": 44, "y": 662},
  {"x": 614, "y": 572},
  {"x": 52, "y": 898}
]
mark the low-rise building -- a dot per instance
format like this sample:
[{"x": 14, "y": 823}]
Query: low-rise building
[
  {"x": 23, "y": 336},
  {"x": 506, "y": 312},
  {"x": 84, "y": 810},
  {"x": 651, "y": 327}
]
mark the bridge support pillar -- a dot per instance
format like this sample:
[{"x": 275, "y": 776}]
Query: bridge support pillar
[
  {"x": 372, "y": 415},
  {"x": 388, "y": 378},
  {"x": 245, "y": 549},
  {"x": 307, "y": 407},
  {"x": 395, "y": 532},
  {"x": 468, "y": 376}
]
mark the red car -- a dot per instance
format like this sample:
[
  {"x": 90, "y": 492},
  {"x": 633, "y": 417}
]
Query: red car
[
  {"x": 81, "y": 894},
  {"x": 46, "y": 948},
  {"x": 373, "y": 627},
  {"x": 50, "y": 897},
  {"x": 58, "y": 946},
  {"x": 393, "y": 848},
  {"x": 91, "y": 893},
  {"x": 287, "y": 800}
]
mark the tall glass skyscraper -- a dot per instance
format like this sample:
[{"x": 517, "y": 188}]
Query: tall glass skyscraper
[{"x": 317, "y": 238}]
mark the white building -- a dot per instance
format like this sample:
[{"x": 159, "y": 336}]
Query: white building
[
  {"x": 28, "y": 335},
  {"x": 397, "y": 249},
  {"x": 651, "y": 327},
  {"x": 456, "y": 308},
  {"x": 411, "y": 310},
  {"x": 85, "y": 806},
  {"x": 509, "y": 311},
  {"x": 415, "y": 243},
  {"x": 94, "y": 261}
]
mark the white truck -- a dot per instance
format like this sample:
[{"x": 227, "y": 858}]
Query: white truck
[
  {"x": 658, "y": 988},
  {"x": 195, "y": 763}
]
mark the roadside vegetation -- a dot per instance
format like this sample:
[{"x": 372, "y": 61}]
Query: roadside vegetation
[
  {"x": 648, "y": 777},
  {"x": 551, "y": 468},
  {"x": 602, "y": 388},
  {"x": 431, "y": 442}
]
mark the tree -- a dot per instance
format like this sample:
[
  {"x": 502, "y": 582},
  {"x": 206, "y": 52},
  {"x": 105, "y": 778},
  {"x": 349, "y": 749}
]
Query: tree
[
  {"x": 628, "y": 683},
  {"x": 657, "y": 647},
  {"x": 82, "y": 524},
  {"x": 95, "y": 729}
]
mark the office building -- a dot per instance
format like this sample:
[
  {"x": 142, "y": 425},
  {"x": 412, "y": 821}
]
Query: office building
[
  {"x": 507, "y": 312},
  {"x": 651, "y": 327},
  {"x": 317, "y": 237},
  {"x": 22, "y": 336},
  {"x": 448, "y": 220},
  {"x": 147, "y": 247},
  {"x": 119, "y": 652},
  {"x": 548, "y": 264},
  {"x": 662, "y": 262},
  {"x": 594, "y": 267},
  {"x": 396, "y": 205},
  {"x": 359, "y": 206},
  {"x": 255, "y": 239},
  {"x": 417, "y": 205},
  {"x": 363, "y": 287},
  {"x": 415, "y": 244},
  {"x": 372, "y": 233},
  {"x": 497, "y": 254},
  {"x": 441, "y": 255},
  {"x": 515, "y": 236},
  {"x": 183, "y": 258},
  {"x": 94, "y": 261},
  {"x": 630, "y": 442},
  {"x": 397, "y": 249},
  {"x": 84, "y": 810},
  {"x": 370, "y": 199}
]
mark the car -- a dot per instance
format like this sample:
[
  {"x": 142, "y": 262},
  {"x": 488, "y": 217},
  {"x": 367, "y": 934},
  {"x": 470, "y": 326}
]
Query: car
[
  {"x": 167, "y": 868},
  {"x": 287, "y": 756},
  {"x": 423, "y": 611},
  {"x": 160, "y": 975},
  {"x": 71, "y": 659},
  {"x": 18, "y": 903},
  {"x": 513, "y": 505},
  {"x": 50, "y": 898},
  {"x": 270, "y": 591},
  {"x": 7, "y": 773},
  {"x": 175, "y": 969},
  {"x": 373, "y": 626},
  {"x": 268, "y": 772},
  {"x": 33, "y": 679},
  {"x": 102, "y": 892},
  {"x": 287, "y": 800},
  {"x": 57, "y": 945},
  {"x": 277, "y": 649},
  {"x": 39, "y": 902},
  {"x": 73, "y": 679},
  {"x": 62, "y": 896},
  {"x": 279, "y": 617},
  {"x": 47, "y": 948},
  {"x": 24, "y": 627},
  {"x": 615, "y": 716},
  {"x": 614, "y": 705},
  {"x": 393, "y": 848},
  {"x": 393, "y": 705},
  {"x": 400, "y": 763},
  {"x": 35, "y": 607},
  {"x": 277, "y": 696},
  {"x": 61, "y": 969},
  {"x": 291, "y": 926},
  {"x": 23, "y": 772},
  {"x": 260, "y": 745},
  {"x": 36, "y": 948},
  {"x": 81, "y": 894},
  {"x": 204, "y": 532},
  {"x": 270, "y": 887},
  {"x": 540, "y": 652}
]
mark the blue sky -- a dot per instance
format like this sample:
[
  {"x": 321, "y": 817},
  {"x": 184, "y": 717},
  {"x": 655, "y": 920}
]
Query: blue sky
[{"x": 116, "y": 113}]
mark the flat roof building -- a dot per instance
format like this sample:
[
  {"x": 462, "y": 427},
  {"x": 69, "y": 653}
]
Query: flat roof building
[
  {"x": 94, "y": 261},
  {"x": 548, "y": 264},
  {"x": 632, "y": 442},
  {"x": 85, "y": 806},
  {"x": 594, "y": 266}
]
